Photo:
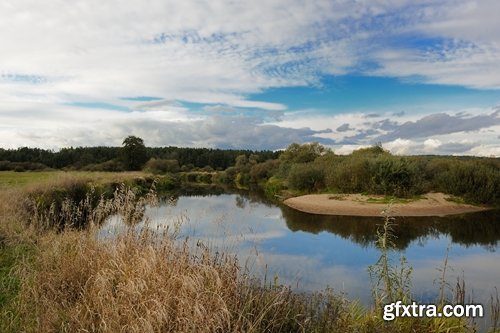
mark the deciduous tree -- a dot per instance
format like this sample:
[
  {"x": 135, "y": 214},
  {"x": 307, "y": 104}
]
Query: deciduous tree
[{"x": 134, "y": 154}]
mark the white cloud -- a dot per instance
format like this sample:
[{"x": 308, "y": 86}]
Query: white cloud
[
  {"x": 451, "y": 133},
  {"x": 66, "y": 125},
  {"x": 466, "y": 64},
  {"x": 463, "y": 43},
  {"x": 399, "y": 146},
  {"x": 431, "y": 144},
  {"x": 215, "y": 51},
  {"x": 219, "y": 52},
  {"x": 209, "y": 52}
]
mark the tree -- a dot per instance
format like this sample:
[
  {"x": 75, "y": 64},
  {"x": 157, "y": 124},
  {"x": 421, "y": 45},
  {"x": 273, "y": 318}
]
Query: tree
[
  {"x": 307, "y": 152},
  {"x": 134, "y": 154}
]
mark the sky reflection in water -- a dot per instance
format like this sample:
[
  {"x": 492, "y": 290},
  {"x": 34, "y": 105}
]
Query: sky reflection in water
[{"x": 312, "y": 252}]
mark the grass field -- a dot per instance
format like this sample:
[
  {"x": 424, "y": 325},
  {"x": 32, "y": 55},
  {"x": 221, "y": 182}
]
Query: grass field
[{"x": 11, "y": 179}]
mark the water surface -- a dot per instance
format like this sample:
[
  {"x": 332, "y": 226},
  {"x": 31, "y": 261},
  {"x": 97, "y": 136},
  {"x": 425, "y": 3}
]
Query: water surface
[{"x": 312, "y": 252}]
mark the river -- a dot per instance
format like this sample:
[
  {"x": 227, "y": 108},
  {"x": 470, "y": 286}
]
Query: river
[{"x": 312, "y": 252}]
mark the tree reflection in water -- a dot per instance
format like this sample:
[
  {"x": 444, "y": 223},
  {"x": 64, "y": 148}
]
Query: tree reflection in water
[{"x": 482, "y": 228}]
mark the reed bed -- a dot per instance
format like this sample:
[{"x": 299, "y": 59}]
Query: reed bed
[{"x": 142, "y": 281}]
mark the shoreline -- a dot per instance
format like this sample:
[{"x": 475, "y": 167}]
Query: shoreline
[{"x": 432, "y": 204}]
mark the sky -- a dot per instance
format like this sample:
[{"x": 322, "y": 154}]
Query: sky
[{"x": 420, "y": 77}]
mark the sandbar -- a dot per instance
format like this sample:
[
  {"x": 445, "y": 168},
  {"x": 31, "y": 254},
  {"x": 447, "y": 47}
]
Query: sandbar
[{"x": 431, "y": 204}]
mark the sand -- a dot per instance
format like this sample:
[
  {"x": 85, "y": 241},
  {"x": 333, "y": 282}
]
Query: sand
[{"x": 433, "y": 204}]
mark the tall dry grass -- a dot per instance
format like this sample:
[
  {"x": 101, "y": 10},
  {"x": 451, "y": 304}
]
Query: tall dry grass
[
  {"x": 131, "y": 284},
  {"x": 142, "y": 281}
]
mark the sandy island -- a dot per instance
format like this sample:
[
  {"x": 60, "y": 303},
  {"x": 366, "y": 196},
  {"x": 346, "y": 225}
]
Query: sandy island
[{"x": 432, "y": 204}]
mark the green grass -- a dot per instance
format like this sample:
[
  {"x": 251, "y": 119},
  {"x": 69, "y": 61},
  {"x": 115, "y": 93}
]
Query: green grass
[
  {"x": 9, "y": 284},
  {"x": 11, "y": 179},
  {"x": 456, "y": 199},
  {"x": 10, "y": 256},
  {"x": 392, "y": 199}
]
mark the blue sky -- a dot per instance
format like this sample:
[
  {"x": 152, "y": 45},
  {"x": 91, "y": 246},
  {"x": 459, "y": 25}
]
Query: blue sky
[
  {"x": 420, "y": 78},
  {"x": 348, "y": 93}
]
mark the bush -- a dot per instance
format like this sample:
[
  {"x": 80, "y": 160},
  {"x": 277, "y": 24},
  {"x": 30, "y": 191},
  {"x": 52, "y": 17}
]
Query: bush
[
  {"x": 304, "y": 153},
  {"x": 168, "y": 182},
  {"x": 394, "y": 176},
  {"x": 306, "y": 177},
  {"x": 204, "y": 177},
  {"x": 197, "y": 177},
  {"x": 352, "y": 175},
  {"x": 373, "y": 151},
  {"x": 161, "y": 166},
  {"x": 231, "y": 173},
  {"x": 477, "y": 182},
  {"x": 273, "y": 187},
  {"x": 220, "y": 177},
  {"x": 264, "y": 170},
  {"x": 108, "y": 166},
  {"x": 21, "y": 166},
  {"x": 187, "y": 167}
]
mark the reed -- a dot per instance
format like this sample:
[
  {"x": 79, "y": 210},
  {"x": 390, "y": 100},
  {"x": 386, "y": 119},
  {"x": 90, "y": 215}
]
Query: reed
[{"x": 142, "y": 281}]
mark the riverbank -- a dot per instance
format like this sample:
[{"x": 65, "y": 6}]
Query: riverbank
[
  {"x": 55, "y": 277},
  {"x": 430, "y": 204}
]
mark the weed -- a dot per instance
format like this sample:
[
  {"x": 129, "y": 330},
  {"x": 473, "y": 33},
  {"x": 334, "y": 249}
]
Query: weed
[
  {"x": 339, "y": 197},
  {"x": 390, "y": 283}
]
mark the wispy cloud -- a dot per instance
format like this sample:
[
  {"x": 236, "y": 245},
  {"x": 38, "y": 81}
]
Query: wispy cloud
[{"x": 155, "y": 57}]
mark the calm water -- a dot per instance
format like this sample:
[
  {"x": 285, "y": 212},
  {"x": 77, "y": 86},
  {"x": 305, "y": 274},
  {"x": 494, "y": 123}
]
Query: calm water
[{"x": 312, "y": 252}]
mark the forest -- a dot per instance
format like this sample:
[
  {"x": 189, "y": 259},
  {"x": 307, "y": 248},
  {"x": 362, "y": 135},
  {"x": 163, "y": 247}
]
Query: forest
[{"x": 112, "y": 158}]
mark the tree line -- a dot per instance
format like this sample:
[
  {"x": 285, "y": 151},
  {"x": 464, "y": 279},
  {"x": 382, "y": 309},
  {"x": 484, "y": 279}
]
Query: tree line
[
  {"x": 301, "y": 168},
  {"x": 132, "y": 155},
  {"x": 313, "y": 168}
]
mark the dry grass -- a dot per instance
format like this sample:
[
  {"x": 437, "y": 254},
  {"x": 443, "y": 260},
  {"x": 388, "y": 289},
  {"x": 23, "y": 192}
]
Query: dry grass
[
  {"x": 128, "y": 284},
  {"x": 136, "y": 284},
  {"x": 147, "y": 282}
]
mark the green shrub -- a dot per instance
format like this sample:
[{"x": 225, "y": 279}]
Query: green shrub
[
  {"x": 220, "y": 177},
  {"x": 197, "y": 177},
  {"x": 273, "y": 187},
  {"x": 306, "y": 177},
  {"x": 22, "y": 166},
  {"x": 168, "y": 182},
  {"x": 264, "y": 170},
  {"x": 308, "y": 152},
  {"x": 394, "y": 176},
  {"x": 477, "y": 182},
  {"x": 204, "y": 177},
  {"x": 352, "y": 175},
  {"x": 161, "y": 166},
  {"x": 231, "y": 173},
  {"x": 109, "y": 166}
]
